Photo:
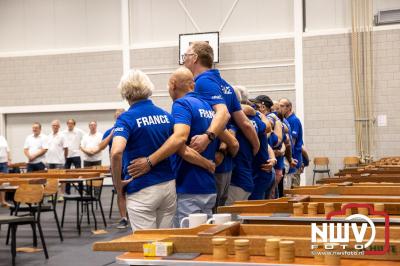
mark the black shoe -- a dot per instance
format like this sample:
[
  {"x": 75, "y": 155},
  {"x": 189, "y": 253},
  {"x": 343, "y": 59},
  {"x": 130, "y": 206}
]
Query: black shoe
[{"x": 123, "y": 223}]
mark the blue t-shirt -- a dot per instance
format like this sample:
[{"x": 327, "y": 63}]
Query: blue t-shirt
[
  {"x": 145, "y": 127},
  {"x": 212, "y": 88},
  {"x": 262, "y": 155},
  {"x": 198, "y": 114},
  {"x": 273, "y": 142},
  {"x": 291, "y": 170},
  {"x": 105, "y": 135},
  {"x": 297, "y": 138},
  {"x": 242, "y": 173}
]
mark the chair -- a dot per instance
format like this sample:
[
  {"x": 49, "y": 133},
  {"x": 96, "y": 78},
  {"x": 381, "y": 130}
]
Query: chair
[
  {"x": 50, "y": 190},
  {"x": 93, "y": 194},
  {"x": 321, "y": 166},
  {"x": 30, "y": 194},
  {"x": 113, "y": 192},
  {"x": 351, "y": 162}
]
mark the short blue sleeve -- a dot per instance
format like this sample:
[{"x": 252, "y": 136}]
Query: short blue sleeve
[
  {"x": 182, "y": 113},
  {"x": 271, "y": 120},
  {"x": 235, "y": 104},
  {"x": 273, "y": 140},
  {"x": 122, "y": 128},
  {"x": 231, "y": 126},
  {"x": 261, "y": 127},
  {"x": 297, "y": 133},
  {"x": 209, "y": 91},
  {"x": 107, "y": 133}
]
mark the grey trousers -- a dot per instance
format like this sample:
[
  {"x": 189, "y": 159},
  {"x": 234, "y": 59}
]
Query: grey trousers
[
  {"x": 236, "y": 193},
  {"x": 293, "y": 179},
  {"x": 223, "y": 181},
  {"x": 193, "y": 203},
  {"x": 152, "y": 207}
]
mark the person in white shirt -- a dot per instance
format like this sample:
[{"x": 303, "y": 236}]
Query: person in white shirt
[
  {"x": 58, "y": 148},
  {"x": 34, "y": 148},
  {"x": 73, "y": 137},
  {"x": 5, "y": 160},
  {"x": 89, "y": 146}
]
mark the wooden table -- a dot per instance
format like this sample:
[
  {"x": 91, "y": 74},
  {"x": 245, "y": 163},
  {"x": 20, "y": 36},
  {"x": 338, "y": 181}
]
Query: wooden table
[
  {"x": 198, "y": 239},
  {"x": 51, "y": 175},
  {"x": 285, "y": 205},
  {"x": 88, "y": 170},
  {"x": 136, "y": 258},
  {"x": 15, "y": 181},
  {"x": 371, "y": 190},
  {"x": 386, "y": 177}
]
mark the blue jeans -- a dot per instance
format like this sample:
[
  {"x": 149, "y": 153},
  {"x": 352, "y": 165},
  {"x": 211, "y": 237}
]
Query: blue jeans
[{"x": 4, "y": 168}]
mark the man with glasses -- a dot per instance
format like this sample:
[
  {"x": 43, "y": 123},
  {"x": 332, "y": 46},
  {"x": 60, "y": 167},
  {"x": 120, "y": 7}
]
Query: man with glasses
[
  {"x": 210, "y": 87},
  {"x": 297, "y": 139}
]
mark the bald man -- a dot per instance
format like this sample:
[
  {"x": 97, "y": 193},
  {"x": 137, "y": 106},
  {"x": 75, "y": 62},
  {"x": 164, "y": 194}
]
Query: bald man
[
  {"x": 195, "y": 182},
  {"x": 58, "y": 148}
]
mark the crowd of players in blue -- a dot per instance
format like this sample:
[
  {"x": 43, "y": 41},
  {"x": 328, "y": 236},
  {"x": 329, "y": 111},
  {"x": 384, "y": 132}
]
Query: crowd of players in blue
[{"x": 216, "y": 147}]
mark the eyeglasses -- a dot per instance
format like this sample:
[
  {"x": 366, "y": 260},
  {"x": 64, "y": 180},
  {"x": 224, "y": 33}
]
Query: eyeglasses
[
  {"x": 186, "y": 55},
  {"x": 283, "y": 105}
]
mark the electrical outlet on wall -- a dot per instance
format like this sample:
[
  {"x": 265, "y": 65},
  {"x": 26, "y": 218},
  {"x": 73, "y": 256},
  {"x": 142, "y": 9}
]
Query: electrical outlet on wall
[{"x": 381, "y": 120}]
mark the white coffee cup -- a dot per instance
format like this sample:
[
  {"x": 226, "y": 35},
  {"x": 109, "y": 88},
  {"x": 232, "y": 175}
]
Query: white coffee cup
[
  {"x": 195, "y": 219},
  {"x": 220, "y": 218}
]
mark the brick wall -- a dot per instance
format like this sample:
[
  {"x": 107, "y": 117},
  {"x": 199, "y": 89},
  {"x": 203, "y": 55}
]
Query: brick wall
[
  {"x": 387, "y": 91},
  {"x": 328, "y": 100},
  {"x": 59, "y": 79}
]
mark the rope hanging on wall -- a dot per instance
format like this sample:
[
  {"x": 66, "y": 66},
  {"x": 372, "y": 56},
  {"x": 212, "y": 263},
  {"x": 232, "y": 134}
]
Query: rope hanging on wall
[{"x": 361, "y": 50}]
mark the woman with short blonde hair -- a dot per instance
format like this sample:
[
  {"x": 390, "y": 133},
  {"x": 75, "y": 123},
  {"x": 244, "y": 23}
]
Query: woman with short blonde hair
[
  {"x": 138, "y": 133},
  {"x": 135, "y": 85}
]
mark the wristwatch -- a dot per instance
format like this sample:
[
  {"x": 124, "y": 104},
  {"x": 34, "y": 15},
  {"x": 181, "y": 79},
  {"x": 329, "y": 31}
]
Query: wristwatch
[{"x": 210, "y": 135}]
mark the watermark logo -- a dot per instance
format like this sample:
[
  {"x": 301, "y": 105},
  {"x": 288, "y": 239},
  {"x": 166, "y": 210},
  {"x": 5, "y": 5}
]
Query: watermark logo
[{"x": 334, "y": 234}]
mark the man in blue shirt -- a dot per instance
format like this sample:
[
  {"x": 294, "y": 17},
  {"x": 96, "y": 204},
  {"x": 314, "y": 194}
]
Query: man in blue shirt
[
  {"x": 151, "y": 198},
  {"x": 121, "y": 198},
  {"x": 297, "y": 139},
  {"x": 220, "y": 95}
]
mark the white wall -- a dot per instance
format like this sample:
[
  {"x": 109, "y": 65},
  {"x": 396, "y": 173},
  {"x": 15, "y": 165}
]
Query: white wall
[
  {"x": 336, "y": 14},
  {"x": 27, "y": 25},
  {"x": 385, "y": 4},
  {"x": 328, "y": 14},
  {"x": 164, "y": 20},
  {"x": 19, "y": 126},
  {"x": 58, "y": 24}
]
